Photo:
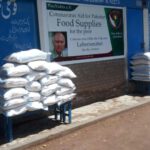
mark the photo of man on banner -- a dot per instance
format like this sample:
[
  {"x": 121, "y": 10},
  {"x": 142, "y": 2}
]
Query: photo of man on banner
[{"x": 59, "y": 45}]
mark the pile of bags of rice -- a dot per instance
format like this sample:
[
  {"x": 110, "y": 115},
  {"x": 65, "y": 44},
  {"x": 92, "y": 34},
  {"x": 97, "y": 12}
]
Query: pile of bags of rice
[
  {"x": 28, "y": 82},
  {"x": 140, "y": 65}
]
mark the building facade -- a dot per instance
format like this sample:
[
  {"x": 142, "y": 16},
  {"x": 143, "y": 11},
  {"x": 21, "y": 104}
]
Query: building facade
[{"x": 101, "y": 35}]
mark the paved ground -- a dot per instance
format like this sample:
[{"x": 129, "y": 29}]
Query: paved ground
[
  {"x": 38, "y": 131},
  {"x": 129, "y": 130}
]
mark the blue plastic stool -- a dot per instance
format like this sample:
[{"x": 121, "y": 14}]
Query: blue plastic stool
[
  {"x": 8, "y": 128},
  {"x": 58, "y": 110},
  {"x": 62, "y": 112}
]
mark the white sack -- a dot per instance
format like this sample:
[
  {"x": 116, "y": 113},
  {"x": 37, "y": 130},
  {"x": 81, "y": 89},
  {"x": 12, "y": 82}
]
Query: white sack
[
  {"x": 65, "y": 98},
  {"x": 8, "y": 65},
  {"x": 49, "y": 79},
  {"x": 50, "y": 100},
  {"x": 16, "y": 71},
  {"x": 66, "y": 82},
  {"x": 64, "y": 91},
  {"x": 53, "y": 68},
  {"x": 33, "y": 86},
  {"x": 141, "y": 68},
  {"x": 145, "y": 56},
  {"x": 16, "y": 111},
  {"x": 143, "y": 74},
  {"x": 140, "y": 62},
  {"x": 13, "y": 82},
  {"x": 12, "y": 103},
  {"x": 31, "y": 106},
  {"x": 13, "y": 93},
  {"x": 27, "y": 56},
  {"x": 66, "y": 72},
  {"x": 33, "y": 96},
  {"x": 141, "y": 78},
  {"x": 34, "y": 76},
  {"x": 48, "y": 90},
  {"x": 38, "y": 65}
]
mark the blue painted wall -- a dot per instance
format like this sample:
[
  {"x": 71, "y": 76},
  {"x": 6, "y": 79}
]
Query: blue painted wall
[
  {"x": 125, "y": 3},
  {"x": 135, "y": 37},
  {"x": 18, "y": 27},
  {"x": 20, "y": 31}
]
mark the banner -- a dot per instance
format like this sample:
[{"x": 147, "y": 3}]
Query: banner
[{"x": 79, "y": 31}]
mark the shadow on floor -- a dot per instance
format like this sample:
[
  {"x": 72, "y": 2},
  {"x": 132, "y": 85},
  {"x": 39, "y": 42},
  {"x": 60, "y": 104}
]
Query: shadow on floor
[{"x": 28, "y": 124}]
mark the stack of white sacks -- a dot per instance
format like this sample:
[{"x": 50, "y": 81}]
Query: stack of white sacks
[
  {"x": 28, "y": 82},
  {"x": 140, "y": 64}
]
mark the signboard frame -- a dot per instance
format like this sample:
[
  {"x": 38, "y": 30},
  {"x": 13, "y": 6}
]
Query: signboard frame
[{"x": 44, "y": 39}]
